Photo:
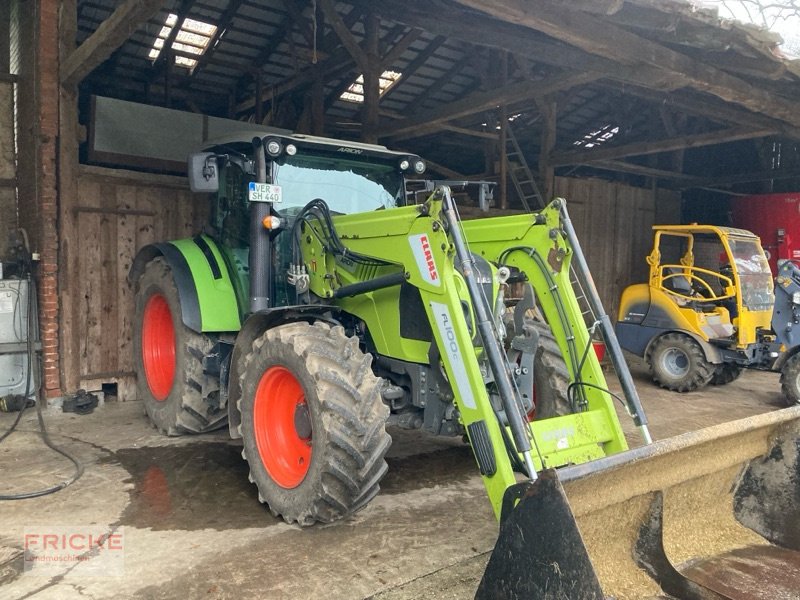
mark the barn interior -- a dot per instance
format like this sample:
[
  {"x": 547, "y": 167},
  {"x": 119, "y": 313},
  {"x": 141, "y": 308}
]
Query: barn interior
[{"x": 637, "y": 112}]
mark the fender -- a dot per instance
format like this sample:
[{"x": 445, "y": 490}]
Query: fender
[
  {"x": 206, "y": 292},
  {"x": 712, "y": 353},
  {"x": 253, "y": 327}
]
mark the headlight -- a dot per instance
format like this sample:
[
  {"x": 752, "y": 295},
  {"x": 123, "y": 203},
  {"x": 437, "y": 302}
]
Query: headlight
[
  {"x": 796, "y": 298},
  {"x": 291, "y": 149},
  {"x": 404, "y": 164},
  {"x": 274, "y": 147},
  {"x": 419, "y": 166}
]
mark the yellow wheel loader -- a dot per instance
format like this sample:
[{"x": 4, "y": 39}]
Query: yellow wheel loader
[{"x": 706, "y": 310}]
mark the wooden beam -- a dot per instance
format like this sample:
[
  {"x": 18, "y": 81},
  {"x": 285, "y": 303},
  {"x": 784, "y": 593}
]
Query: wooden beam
[
  {"x": 5, "y": 37},
  {"x": 480, "y": 101},
  {"x": 607, "y": 40},
  {"x": 110, "y": 35},
  {"x": 698, "y": 104},
  {"x": 372, "y": 74},
  {"x": 603, "y": 152},
  {"x": 420, "y": 59},
  {"x": 726, "y": 180},
  {"x": 399, "y": 48},
  {"x": 339, "y": 59},
  {"x": 446, "y": 171},
  {"x": 619, "y": 166},
  {"x": 486, "y": 135},
  {"x": 344, "y": 33},
  {"x": 548, "y": 110},
  {"x": 225, "y": 21}
]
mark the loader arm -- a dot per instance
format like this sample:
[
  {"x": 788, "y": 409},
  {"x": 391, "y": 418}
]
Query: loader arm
[{"x": 414, "y": 241}]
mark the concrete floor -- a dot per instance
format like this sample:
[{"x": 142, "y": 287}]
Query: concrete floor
[{"x": 193, "y": 526}]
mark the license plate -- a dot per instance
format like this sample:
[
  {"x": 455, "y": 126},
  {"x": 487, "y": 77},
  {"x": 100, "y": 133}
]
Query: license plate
[{"x": 264, "y": 192}]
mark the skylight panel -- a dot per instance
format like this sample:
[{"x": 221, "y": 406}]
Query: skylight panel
[
  {"x": 193, "y": 37},
  {"x": 598, "y": 136},
  {"x": 355, "y": 93}
]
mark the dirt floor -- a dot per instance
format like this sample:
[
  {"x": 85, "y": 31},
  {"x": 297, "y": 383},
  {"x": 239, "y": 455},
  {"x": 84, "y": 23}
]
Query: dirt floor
[{"x": 193, "y": 526}]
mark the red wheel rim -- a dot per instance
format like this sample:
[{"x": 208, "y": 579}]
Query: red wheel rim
[
  {"x": 158, "y": 346},
  {"x": 282, "y": 427}
]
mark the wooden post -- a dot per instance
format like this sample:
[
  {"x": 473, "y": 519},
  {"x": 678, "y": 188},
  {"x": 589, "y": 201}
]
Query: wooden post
[
  {"x": 169, "y": 58},
  {"x": 503, "y": 114},
  {"x": 5, "y": 36},
  {"x": 371, "y": 116},
  {"x": 69, "y": 285},
  {"x": 259, "y": 98},
  {"x": 548, "y": 109},
  {"x": 318, "y": 103}
]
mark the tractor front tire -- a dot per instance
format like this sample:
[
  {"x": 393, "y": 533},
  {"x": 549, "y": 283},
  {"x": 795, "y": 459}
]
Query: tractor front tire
[
  {"x": 726, "y": 373},
  {"x": 168, "y": 358},
  {"x": 677, "y": 363},
  {"x": 550, "y": 375},
  {"x": 313, "y": 423},
  {"x": 790, "y": 380}
]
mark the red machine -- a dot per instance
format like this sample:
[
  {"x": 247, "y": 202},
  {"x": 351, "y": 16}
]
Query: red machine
[{"x": 775, "y": 218}]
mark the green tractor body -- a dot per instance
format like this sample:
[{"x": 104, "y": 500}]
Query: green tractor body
[
  {"x": 328, "y": 299},
  {"x": 384, "y": 267}
]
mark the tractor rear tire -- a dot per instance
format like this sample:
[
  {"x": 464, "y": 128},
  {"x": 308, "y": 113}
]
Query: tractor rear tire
[
  {"x": 790, "y": 380},
  {"x": 726, "y": 373},
  {"x": 168, "y": 359},
  {"x": 677, "y": 363},
  {"x": 550, "y": 375},
  {"x": 313, "y": 423}
]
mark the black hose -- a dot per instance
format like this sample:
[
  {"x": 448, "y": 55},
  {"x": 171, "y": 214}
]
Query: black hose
[{"x": 31, "y": 334}]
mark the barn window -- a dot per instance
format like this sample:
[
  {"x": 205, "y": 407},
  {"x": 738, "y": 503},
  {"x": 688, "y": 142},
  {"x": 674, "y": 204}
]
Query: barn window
[
  {"x": 192, "y": 40},
  {"x": 355, "y": 93}
]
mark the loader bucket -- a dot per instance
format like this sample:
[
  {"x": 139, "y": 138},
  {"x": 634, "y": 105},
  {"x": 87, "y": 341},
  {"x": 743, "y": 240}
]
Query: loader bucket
[{"x": 713, "y": 514}]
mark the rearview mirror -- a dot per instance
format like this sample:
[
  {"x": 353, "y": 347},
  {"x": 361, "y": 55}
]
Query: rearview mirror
[{"x": 203, "y": 172}]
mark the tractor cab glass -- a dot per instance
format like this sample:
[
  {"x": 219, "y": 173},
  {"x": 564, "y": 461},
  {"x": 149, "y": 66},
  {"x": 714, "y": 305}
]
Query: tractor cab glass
[{"x": 347, "y": 185}]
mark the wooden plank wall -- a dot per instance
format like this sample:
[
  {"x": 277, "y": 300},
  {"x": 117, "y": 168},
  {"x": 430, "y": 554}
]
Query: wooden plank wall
[
  {"x": 116, "y": 213},
  {"x": 8, "y": 174},
  {"x": 614, "y": 222}
]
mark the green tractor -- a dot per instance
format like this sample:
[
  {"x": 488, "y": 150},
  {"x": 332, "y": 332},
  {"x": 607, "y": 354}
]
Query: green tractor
[{"x": 335, "y": 292}]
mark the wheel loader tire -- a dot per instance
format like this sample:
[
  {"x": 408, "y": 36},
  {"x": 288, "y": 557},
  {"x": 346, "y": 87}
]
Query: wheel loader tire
[
  {"x": 550, "y": 375},
  {"x": 313, "y": 423},
  {"x": 725, "y": 373},
  {"x": 677, "y": 363},
  {"x": 790, "y": 380},
  {"x": 168, "y": 358}
]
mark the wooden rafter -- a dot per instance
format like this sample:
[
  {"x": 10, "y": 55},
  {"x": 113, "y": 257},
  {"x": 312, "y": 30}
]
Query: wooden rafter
[
  {"x": 615, "y": 43},
  {"x": 338, "y": 61},
  {"x": 581, "y": 157},
  {"x": 480, "y": 101},
  {"x": 420, "y": 59},
  {"x": 345, "y": 35},
  {"x": 223, "y": 24},
  {"x": 110, "y": 35}
]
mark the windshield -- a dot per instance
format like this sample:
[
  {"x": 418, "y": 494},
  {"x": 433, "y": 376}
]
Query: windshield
[
  {"x": 348, "y": 186},
  {"x": 754, "y": 274}
]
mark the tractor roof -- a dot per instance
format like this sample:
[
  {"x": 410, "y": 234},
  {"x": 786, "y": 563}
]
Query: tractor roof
[{"x": 245, "y": 137}]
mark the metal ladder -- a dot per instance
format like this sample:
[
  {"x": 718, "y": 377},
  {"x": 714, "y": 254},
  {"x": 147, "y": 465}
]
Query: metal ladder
[{"x": 520, "y": 172}]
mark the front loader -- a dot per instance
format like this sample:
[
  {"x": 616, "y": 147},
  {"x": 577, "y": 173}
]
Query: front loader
[{"x": 327, "y": 299}]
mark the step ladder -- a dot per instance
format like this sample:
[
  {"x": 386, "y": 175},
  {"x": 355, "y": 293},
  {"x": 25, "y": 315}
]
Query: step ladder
[
  {"x": 520, "y": 173},
  {"x": 589, "y": 316}
]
